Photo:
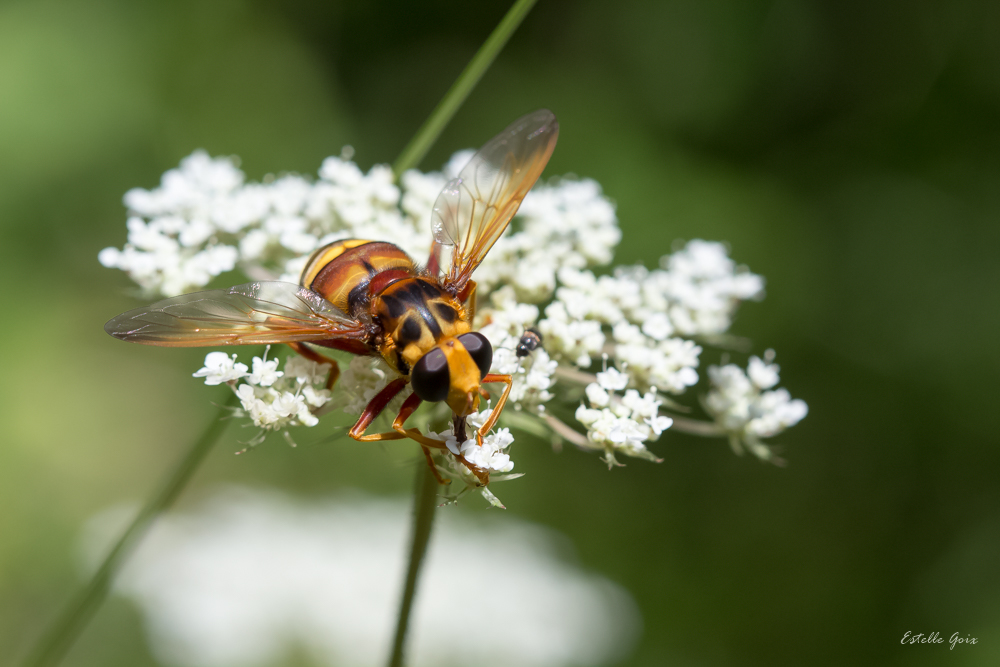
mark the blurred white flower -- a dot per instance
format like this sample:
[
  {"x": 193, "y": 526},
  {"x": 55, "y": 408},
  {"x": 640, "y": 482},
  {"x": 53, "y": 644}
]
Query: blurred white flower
[
  {"x": 251, "y": 577},
  {"x": 360, "y": 381},
  {"x": 612, "y": 379},
  {"x": 597, "y": 395},
  {"x": 764, "y": 375}
]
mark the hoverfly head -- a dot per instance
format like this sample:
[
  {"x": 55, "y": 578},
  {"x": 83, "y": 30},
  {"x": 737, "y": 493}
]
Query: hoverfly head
[{"x": 453, "y": 370}]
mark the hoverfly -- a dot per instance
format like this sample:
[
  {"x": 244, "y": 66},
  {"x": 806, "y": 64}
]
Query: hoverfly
[{"x": 369, "y": 298}]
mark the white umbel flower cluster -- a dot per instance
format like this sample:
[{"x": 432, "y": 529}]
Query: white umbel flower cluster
[
  {"x": 549, "y": 272},
  {"x": 273, "y": 400},
  {"x": 747, "y": 408},
  {"x": 621, "y": 424},
  {"x": 204, "y": 220}
]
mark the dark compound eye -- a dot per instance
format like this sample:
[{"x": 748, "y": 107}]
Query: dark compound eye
[
  {"x": 430, "y": 377},
  {"x": 479, "y": 349}
]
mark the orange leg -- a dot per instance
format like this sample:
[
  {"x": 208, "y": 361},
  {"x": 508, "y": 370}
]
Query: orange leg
[
  {"x": 375, "y": 408},
  {"x": 491, "y": 422},
  {"x": 430, "y": 464},
  {"x": 319, "y": 359},
  {"x": 410, "y": 406}
]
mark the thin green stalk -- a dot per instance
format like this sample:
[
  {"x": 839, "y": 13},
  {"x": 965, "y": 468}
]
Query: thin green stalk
[
  {"x": 52, "y": 646},
  {"x": 424, "y": 503},
  {"x": 466, "y": 81}
]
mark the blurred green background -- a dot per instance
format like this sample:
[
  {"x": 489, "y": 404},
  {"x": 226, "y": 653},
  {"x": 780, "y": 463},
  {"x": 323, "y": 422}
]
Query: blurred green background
[{"x": 848, "y": 151}]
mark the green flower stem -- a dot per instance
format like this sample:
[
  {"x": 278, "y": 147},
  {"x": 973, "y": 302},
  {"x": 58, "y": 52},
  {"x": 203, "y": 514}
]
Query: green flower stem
[
  {"x": 424, "y": 504},
  {"x": 696, "y": 427},
  {"x": 59, "y": 637},
  {"x": 466, "y": 81}
]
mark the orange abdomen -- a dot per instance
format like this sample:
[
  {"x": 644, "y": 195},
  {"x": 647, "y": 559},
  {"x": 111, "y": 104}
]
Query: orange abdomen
[{"x": 342, "y": 272}]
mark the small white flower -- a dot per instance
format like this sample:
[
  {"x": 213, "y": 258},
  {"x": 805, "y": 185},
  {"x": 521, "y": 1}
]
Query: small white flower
[
  {"x": 306, "y": 370},
  {"x": 597, "y": 395},
  {"x": 260, "y": 411},
  {"x": 762, "y": 374},
  {"x": 478, "y": 419},
  {"x": 612, "y": 379},
  {"x": 659, "y": 424},
  {"x": 315, "y": 397},
  {"x": 587, "y": 416},
  {"x": 744, "y": 411},
  {"x": 657, "y": 326},
  {"x": 110, "y": 258},
  {"x": 265, "y": 373},
  {"x": 219, "y": 368},
  {"x": 359, "y": 383},
  {"x": 451, "y": 443},
  {"x": 490, "y": 456},
  {"x": 641, "y": 407}
]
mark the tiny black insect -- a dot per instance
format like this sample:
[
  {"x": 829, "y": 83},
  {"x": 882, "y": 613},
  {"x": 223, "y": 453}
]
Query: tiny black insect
[{"x": 530, "y": 340}]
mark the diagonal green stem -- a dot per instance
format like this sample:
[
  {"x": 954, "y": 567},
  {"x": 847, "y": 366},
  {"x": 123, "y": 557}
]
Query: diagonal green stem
[
  {"x": 424, "y": 502},
  {"x": 466, "y": 81},
  {"x": 59, "y": 637}
]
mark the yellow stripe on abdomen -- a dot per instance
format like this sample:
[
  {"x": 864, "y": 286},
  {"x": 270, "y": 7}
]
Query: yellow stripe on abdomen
[{"x": 324, "y": 256}]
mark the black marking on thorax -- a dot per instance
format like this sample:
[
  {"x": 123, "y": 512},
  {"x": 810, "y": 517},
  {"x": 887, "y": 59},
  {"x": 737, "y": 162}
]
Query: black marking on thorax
[
  {"x": 410, "y": 299},
  {"x": 445, "y": 311},
  {"x": 410, "y": 331}
]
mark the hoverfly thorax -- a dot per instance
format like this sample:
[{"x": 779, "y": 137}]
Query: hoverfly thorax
[
  {"x": 416, "y": 314},
  {"x": 429, "y": 338}
]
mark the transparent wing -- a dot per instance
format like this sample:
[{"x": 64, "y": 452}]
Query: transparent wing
[
  {"x": 263, "y": 312},
  {"x": 475, "y": 208}
]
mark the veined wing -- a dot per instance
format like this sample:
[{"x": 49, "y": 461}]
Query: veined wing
[
  {"x": 475, "y": 208},
  {"x": 254, "y": 313}
]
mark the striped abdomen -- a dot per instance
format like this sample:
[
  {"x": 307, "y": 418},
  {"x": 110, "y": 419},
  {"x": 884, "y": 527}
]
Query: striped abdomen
[{"x": 348, "y": 273}]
